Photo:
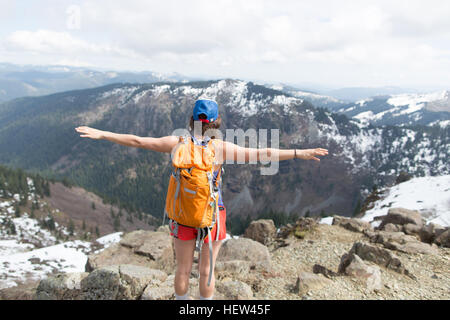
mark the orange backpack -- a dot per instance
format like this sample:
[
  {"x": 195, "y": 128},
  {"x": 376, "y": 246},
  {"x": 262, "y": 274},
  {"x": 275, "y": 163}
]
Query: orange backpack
[{"x": 192, "y": 196}]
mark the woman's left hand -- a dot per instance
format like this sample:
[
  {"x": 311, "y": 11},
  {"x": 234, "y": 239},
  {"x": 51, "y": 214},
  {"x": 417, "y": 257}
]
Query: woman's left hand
[{"x": 310, "y": 154}]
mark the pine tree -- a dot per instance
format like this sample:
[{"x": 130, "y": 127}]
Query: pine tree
[
  {"x": 93, "y": 206},
  {"x": 97, "y": 231},
  {"x": 71, "y": 227},
  {"x": 12, "y": 228},
  {"x": 46, "y": 189},
  {"x": 17, "y": 211}
]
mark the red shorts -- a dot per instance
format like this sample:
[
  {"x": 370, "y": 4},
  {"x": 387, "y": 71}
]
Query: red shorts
[{"x": 188, "y": 233}]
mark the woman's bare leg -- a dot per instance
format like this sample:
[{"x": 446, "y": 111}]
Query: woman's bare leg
[
  {"x": 184, "y": 254},
  {"x": 205, "y": 290}
]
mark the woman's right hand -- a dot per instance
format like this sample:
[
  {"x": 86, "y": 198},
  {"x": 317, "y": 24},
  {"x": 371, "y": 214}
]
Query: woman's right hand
[{"x": 88, "y": 132}]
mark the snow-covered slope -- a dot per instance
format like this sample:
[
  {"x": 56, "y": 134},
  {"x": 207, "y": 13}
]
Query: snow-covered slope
[
  {"x": 20, "y": 261},
  {"x": 316, "y": 99},
  {"x": 30, "y": 251},
  {"x": 402, "y": 109},
  {"x": 429, "y": 195}
]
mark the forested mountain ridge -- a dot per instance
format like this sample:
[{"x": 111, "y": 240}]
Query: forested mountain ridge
[{"x": 38, "y": 134}]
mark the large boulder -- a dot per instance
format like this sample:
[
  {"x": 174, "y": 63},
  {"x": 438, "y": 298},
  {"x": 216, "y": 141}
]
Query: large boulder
[
  {"x": 64, "y": 286},
  {"x": 444, "y": 239},
  {"x": 119, "y": 282},
  {"x": 402, "y": 242},
  {"x": 262, "y": 230},
  {"x": 352, "y": 224},
  {"x": 247, "y": 250},
  {"x": 141, "y": 248},
  {"x": 431, "y": 232},
  {"x": 401, "y": 216},
  {"x": 307, "y": 281},
  {"x": 370, "y": 275},
  {"x": 377, "y": 255}
]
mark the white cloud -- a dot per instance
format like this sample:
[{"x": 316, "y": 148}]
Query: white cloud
[
  {"x": 396, "y": 40},
  {"x": 47, "y": 41}
]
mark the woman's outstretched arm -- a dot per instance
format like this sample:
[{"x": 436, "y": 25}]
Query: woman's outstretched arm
[
  {"x": 231, "y": 151},
  {"x": 163, "y": 144}
]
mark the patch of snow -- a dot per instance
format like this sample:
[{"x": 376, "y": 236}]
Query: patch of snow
[
  {"x": 37, "y": 264},
  {"x": 429, "y": 195},
  {"x": 110, "y": 238},
  {"x": 326, "y": 220}
]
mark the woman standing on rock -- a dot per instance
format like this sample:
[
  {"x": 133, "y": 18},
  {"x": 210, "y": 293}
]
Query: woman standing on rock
[{"x": 205, "y": 120}]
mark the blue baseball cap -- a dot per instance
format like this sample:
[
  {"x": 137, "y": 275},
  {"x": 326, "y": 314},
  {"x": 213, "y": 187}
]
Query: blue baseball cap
[{"x": 207, "y": 107}]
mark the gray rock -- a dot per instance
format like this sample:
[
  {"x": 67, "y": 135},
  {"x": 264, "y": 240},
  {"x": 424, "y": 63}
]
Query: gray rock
[
  {"x": 262, "y": 230},
  {"x": 444, "y": 239},
  {"x": 307, "y": 281},
  {"x": 368, "y": 274},
  {"x": 142, "y": 248},
  {"x": 64, "y": 286},
  {"x": 402, "y": 242},
  {"x": 247, "y": 250},
  {"x": 119, "y": 282},
  {"x": 411, "y": 229},
  {"x": 158, "y": 292},
  {"x": 352, "y": 224},
  {"x": 377, "y": 255},
  {"x": 322, "y": 270},
  {"x": 401, "y": 216},
  {"x": 235, "y": 290},
  {"x": 430, "y": 232},
  {"x": 113, "y": 255},
  {"x": 390, "y": 227}
]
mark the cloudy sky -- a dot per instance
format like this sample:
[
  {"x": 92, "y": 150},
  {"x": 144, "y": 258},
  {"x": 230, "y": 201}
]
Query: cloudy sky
[{"x": 326, "y": 42}]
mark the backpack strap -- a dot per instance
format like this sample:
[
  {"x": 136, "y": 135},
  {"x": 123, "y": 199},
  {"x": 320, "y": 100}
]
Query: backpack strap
[
  {"x": 176, "y": 175},
  {"x": 201, "y": 234}
]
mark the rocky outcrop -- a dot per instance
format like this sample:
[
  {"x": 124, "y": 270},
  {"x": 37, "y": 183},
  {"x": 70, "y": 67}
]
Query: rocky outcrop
[
  {"x": 405, "y": 230},
  {"x": 119, "y": 282},
  {"x": 141, "y": 248},
  {"x": 377, "y": 255},
  {"x": 352, "y": 224},
  {"x": 66, "y": 286},
  {"x": 401, "y": 216},
  {"x": 402, "y": 242},
  {"x": 247, "y": 269},
  {"x": 244, "y": 249},
  {"x": 262, "y": 230},
  {"x": 444, "y": 239},
  {"x": 431, "y": 233}
]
